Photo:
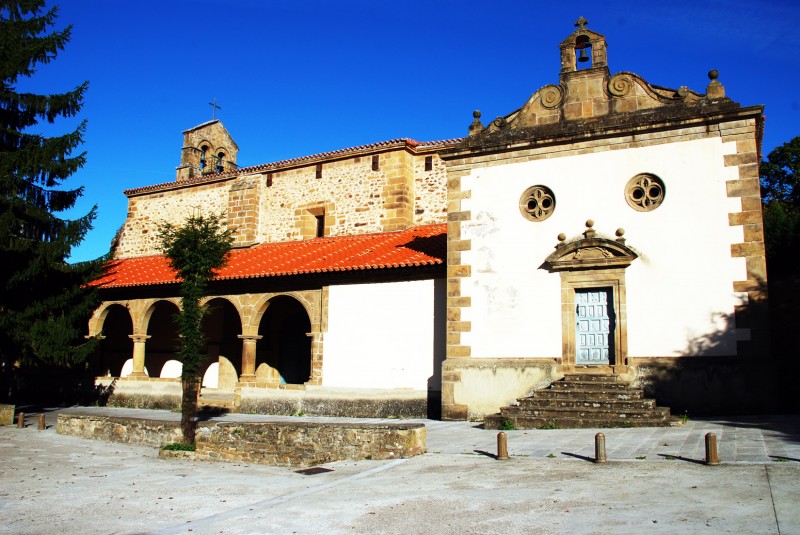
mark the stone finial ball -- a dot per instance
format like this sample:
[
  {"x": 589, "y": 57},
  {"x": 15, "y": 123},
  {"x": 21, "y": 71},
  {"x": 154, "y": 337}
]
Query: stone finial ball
[
  {"x": 562, "y": 237},
  {"x": 620, "y": 232},
  {"x": 589, "y": 223},
  {"x": 476, "y": 114},
  {"x": 713, "y": 74}
]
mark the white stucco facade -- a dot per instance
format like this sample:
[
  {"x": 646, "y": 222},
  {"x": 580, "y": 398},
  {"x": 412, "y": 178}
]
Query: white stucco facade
[
  {"x": 380, "y": 335},
  {"x": 679, "y": 291}
]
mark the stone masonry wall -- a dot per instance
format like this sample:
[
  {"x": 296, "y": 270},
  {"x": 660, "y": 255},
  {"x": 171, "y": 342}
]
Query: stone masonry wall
[
  {"x": 430, "y": 188},
  {"x": 155, "y": 433},
  {"x": 295, "y": 443},
  {"x": 308, "y": 443},
  {"x": 139, "y": 235},
  {"x": 281, "y": 205}
]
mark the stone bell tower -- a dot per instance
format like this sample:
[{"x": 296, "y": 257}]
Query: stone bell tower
[{"x": 207, "y": 149}]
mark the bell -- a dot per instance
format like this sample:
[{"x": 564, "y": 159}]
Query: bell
[{"x": 583, "y": 58}]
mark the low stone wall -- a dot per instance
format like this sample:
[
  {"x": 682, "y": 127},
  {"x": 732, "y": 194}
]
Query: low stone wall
[
  {"x": 351, "y": 403},
  {"x": 308, "y": 443},
  {"x": 294, "y": 443},
  {"x": 154, "y": 433}
]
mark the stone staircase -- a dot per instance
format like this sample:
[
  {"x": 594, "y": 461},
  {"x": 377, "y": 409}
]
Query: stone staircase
[
  {"x": 218, "y": 401},
  {"x": 583, "y": 401}
]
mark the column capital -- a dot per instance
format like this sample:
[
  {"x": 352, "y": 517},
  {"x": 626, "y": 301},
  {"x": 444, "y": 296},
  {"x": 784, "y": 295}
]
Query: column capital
[
  {"x": 139, "y": 337},
  {"x": 249, "y": 337}
]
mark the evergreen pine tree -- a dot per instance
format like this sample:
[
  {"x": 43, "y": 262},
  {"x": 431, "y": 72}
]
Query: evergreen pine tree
[{"x": 44, "y": 303}]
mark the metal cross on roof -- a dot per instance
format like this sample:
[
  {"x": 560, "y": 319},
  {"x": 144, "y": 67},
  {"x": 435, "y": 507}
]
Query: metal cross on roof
[
  {"x": 214, "y": 108},
  {"x": 581, "y": 22}
]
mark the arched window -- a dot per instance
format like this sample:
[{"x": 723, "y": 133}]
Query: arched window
[
  {"x": 203, "y": 156},
  {"x": 220, "y": 160}
]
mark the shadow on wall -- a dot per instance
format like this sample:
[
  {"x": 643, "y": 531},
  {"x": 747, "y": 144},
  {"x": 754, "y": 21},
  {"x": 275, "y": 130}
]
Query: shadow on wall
[
  {"x": 434, "y": 409},
  {"x": 719, "y": 374}
]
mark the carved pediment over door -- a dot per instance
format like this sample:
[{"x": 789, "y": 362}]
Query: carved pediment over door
[{"x": 590, "y": 252}]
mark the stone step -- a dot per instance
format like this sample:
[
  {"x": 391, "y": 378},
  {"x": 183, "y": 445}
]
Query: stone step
[
  {"x": 608, "y": 404},
  {"x": 576, "y": 384},
  {"x": 499, "y": 421},
  {"x": 592, "y": 377},
  {"x": 582, "y": 400},
  {"x": 630, "y": 393},
  {"x": 586, "y": 412}
]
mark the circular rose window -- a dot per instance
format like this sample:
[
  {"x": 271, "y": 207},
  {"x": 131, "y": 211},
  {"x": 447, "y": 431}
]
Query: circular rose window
[
  {"x": 537, "y": 203},
  {"x": 644, "y": 192}
]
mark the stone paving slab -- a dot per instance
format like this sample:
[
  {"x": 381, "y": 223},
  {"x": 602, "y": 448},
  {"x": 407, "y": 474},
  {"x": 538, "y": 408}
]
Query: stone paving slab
[{"x": 55, "y": 484}]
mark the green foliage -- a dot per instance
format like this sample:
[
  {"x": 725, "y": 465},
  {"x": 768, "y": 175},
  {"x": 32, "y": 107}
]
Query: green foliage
[
  {"x": 179, "y": 446},
  {"x": 780, "y": 174},
  {"x": 44, "y": 301},
  {"x": 551, "y": 425},
  {"x": 195, "y": 250},
  {"x": 507, "y": 424},
  {"x": 780, "y": 193}
]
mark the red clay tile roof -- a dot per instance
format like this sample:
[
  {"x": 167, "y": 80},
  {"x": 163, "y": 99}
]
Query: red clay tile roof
[{"x": 415, "y": 246}]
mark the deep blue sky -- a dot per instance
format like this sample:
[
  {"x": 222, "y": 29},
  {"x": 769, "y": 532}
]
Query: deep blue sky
[{"x": 301, "y": 77}]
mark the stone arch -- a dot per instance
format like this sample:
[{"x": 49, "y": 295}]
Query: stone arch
[
  {"x": 97, "y": 321},
  {"x": 222, "y": 326},
  {"x": 147, "y": 308},
  {"x": 285, "y": 349},
  {"x": 261, "y": 306},
  {"x": 114, "y": 321},
  {"x": 161, "y": 330}
]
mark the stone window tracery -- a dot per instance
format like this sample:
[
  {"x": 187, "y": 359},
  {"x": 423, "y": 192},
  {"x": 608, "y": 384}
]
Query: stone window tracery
[
  {"x": 645, "y": 192},
  {"x": 537, "y": 203}
]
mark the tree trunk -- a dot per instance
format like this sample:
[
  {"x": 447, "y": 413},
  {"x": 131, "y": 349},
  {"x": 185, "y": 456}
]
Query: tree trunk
[{"x": 189, "y": 409}]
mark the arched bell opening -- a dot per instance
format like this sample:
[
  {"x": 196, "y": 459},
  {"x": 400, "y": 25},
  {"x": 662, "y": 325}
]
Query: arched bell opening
[
  {"x": 285, "y": 346},
  {"x": 221, "y": 328},
  {"x": 583, "y": 53}
]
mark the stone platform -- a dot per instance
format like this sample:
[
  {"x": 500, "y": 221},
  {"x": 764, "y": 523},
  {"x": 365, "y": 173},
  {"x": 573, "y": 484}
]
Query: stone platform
[{"x": 279, "y": 442}]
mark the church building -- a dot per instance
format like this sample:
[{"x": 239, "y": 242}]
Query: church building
[{"x": 608, "y": 225}]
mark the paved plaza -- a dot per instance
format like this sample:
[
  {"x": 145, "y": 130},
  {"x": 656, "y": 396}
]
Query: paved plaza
[{"x": 655, "y": 482}]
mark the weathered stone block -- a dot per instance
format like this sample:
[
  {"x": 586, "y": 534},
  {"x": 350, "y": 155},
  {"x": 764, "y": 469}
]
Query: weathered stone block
[{"x": 6, "y": 414}]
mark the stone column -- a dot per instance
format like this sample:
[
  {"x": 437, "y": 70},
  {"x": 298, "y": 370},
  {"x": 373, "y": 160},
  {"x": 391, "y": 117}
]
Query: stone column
[
  {"x": 138, "y": 354},
  {"x": 316, "y": 358},
  {"x": 248, "y": 357}
]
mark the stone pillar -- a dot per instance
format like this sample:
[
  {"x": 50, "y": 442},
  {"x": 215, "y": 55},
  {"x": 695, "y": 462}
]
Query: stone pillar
[
  {"x": 248, "y": 357},
  {"x": 138, "y": 354},
  {"x": 316, "y": 358}
]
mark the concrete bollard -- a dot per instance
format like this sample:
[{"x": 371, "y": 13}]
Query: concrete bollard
[
  {"x": 21, "y": 420},
  {"x": 600, "y": 448},
  {"x": 502, "y": 446},
  {"x": 42, "y": 424},
  {"x": 712, "y": 459}
]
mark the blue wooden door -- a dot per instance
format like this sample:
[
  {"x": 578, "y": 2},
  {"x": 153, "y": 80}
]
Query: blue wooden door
[{"x": 593, "y": 326}]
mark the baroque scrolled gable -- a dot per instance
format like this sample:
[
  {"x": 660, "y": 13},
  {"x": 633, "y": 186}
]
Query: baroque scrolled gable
[{"x": 590, "y": 97}]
